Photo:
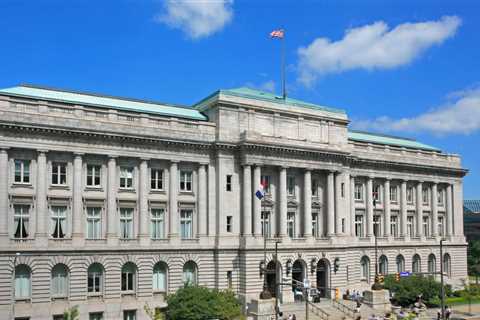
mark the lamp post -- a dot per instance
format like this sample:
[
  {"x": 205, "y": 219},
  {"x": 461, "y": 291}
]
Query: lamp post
[
  {"x": 376, "y": 284},
  {"x": 265, "y": 294},
  {"x": 442, "y": 289},
  {"x": 276, "y": 280}
]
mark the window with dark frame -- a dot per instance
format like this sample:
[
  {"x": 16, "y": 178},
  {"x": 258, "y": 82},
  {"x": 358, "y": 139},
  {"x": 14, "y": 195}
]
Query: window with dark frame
[
  {"x": 59, "y": 173},
  {"x": 93, "y": 176},
  {"x": 229, "y": 223},
  {"x": 22, "y": 171},
  {"x": 228, "y": 185},
  {"x": 156, "y": 179}
]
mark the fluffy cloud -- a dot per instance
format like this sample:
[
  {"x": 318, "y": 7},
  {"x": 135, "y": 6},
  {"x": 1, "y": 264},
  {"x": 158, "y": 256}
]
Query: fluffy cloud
[
  {"x": 197, "y": 18},
  {"x": 268, "y": 86},
  {"x": 461, "y": 115},
  {"x": 373, "y": 46}
]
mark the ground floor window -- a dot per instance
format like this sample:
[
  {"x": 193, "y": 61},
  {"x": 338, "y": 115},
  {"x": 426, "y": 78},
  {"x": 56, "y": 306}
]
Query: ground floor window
[
  {"x": 130, "y": 315},
  {"x": 95, "y": 316},
  {"x": 365, "y": 268}
]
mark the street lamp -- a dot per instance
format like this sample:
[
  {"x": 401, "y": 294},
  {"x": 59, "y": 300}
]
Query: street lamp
[
  {"x": 442, "y": 289},
  {"x": 376, "y": 284}
]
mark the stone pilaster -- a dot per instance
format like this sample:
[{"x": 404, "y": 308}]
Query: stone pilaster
[
  {"x": 307, "y": 204},
  {"x": 458, "y": 209},
  {"x": 330, "y": 204},
  {"x": 282, "y": 192},
  {"x": 143, "y": 203},
  {"x": 434, "y": 210},
  {"x": 449, "y": 211},
  {"x": 77, "y": 210},
  {"x": 369, "y": 207},
  {"x": 257, "y": 203},
  {"x": 42, "y": 182},
  {"x": 202, "y": 200},
  {"x": 212, "y": 209},
  {"x": 172, "y": 200},
  {"x": 386, "y": 208},
  {"x": 112, "y": 216},
  {"x": 338, "y": 203},
  {"x": 419, "y": 213},
  {"x": 346, "y": 203},
  {"x": 352, "y": 205},
  {"x": 403, "y": 209},
  {"x": 4, "y": 192},
  {"x": 247, "y": 200}
]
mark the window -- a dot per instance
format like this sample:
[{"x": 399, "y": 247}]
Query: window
[
  {"x": 359, "y": 225},
  {"x": 394, "y": 194},
  {"x": 156, "y": 179},
  {"x": 410, "y": 194},
  {"x": 410, "y": 226},
  {"x": 383, "y": 265},
  {"x": 228, "y": 185},
  {"x": 440, "y": 199},
  {"x": 59, "y": 173},
  {"x": 22, "y": 171},
  {"x": 314, "y": 187},
  {"x": 343, "y": 225},
  {"x": 129, "y": 271},
  {"x": 394, "y": 226},
  {"x": 157, "y": 223},
  {"x": 186, "y": 224},
  {"x": 315, "y": 224},
  {"x": 186, "y": 181},
  {"x": 377, "y": 225},
  {"x": 59, "y": 281},
  {"x": 425, "y": 195},
  {"x": 130, "y": 315},
  {"x": 22, "y": 282},
  {"x": 365, "y": 268},
  {"x": 342, "y": 190},
  {"x": 58, "y": 221},
  {"x": 426, "y": 226},
  {"x": 93, "y": 176},
  {"x": 95, "y": 316},
  {"x": 266, "y": 184},
  {"x": 126, "y": 223},
  {"x": 229, "y": 280},
  {"x": 229, "y": 223},
  {"x": 94, "y": 223},
  {"x": 447, "y": 266},
  {"x": 126, "y": 178},
  {"x": 291, "y": 185},
  {"x": 159, "y": 277},
  {"x": 58, "y": 317},
  {"x": 377, "y": 196},
  {"x": 291, "y": 224},
  {"x": 266, "y": 228},
  {"x": 441, "y": 226},
  {"x": 416, "y": 264},
  {"x": 190, "y": 273},
  {"x": 21, "y": 217},
  {"x": 400, "y": 263},
  {"x": 95, "y": 278},
  {"x": 358, "y": 191},
  {"x": 432, "y": 264}
]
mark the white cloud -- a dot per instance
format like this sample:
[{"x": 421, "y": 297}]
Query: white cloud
[
  {"x": 197, "y": 18},
  {"x": 461, "y": 115},
  {"x": 268, "y": 86},
  {"x": 373, "y": 46}
]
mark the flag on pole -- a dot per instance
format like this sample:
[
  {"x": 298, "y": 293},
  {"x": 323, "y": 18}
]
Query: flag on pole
[
  {"x": 261, "y": 191},
  {"x": 277, "y": 34}
]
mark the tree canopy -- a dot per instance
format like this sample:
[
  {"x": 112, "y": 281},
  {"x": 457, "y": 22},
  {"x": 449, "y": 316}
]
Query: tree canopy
[{"x": 409, "y": 288}]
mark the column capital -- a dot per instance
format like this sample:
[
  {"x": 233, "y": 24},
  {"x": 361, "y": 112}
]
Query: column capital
[
  {"x": 4, "y": 150},
  {"x": 203, "y": 164},
  {"x": 112, "y": 156},
  {"x": 174, "y": 161},
  {"x": 42, "y": 151},
  {"x": 145, "y": 159},
  {"x": 281, "y": 167},
  {"x": 78, "y": 154}
]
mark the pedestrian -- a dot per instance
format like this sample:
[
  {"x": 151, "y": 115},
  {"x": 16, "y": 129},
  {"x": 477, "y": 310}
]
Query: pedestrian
[
  {"x": 290, "y": 317},
  {"x": 294, "y": 317},
  {"x": 359, "y": 317},
  {"x": 439, "y": 315},
  {"x": 358, "y": 306},
  {"x": 280, "y": 315},
  {"x": 448, "y": 312}
]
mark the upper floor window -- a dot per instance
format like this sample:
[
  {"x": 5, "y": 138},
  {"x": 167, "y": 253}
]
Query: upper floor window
[
  {"x": 266, "y": 228},
  {"x": 440, "y": 197},
  {"x": 190, "y": 273},
  {"x": 59, "y": 173},
  {"x": 377, "y": 225},
  {"x": 291, "y": 185},
  {"x": 393, "y": 194},
  {"x": 228, "y": 184},
  {"x": 126, "y": 178},
  {"x": 377, "y": 196},
  {"x": 186, "y": 181},
  {"x": 315, "y": 224},
  {"x": 314, "y": 187},
  {"x": 157, "y": 225},
  {"x": 426, "y": 226},
  {"x": 22, "y": 282},
  {"x": 21, "y": 217},
  {"x": 410, "y": 226},
  {"x": 59, "y": 281},
  {"x": 394, "y": 226},
  {"x": 95, "y": 278},
  {"x": 129, "y": 272},
  {"x": 441, "y": 226},
  {"x": 425, "y": 195},
  {"x": 126, "y": 223},
  {"x": 186, "y": 223},
  {"x": 358, "y": 191},
  {"x": 94, "y": 222},
  {"x": 410, "y": 194},
  {"x": 291, "y": 224},
  {"x": 58, "y": 221},
  {"x": 266, "y": 181},
  {"x": 159, "y": 277},
  {"x": 156, "y": 179},
  {"x": 129, "y": 314},
  {"x": 95, "y": 316},
  {"x": 22, "y": 171},
  {"x": 93, "y": 176},
  {"x": 359, "y": 226},
  {"x": 229, "y": 223}
]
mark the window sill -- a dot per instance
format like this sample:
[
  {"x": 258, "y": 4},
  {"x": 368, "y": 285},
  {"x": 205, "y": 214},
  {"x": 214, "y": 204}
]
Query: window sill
[
  {"x": 59, "y": 298},
  {"x": 189, "y": 239},
  {"x": 95, "y": 240},
  {"x": 20, "y": 240},
  {"x": 22, "y": 185},
  {"x": 159, "y": 292},
  {"x": 92, "y": 188},
  {"x": 185, "y": 192},
  {"x": 59, "y": 187},
  {"x": 126, "y": 190},
  {"x": 157, "y": 191},
  {"x": 60, "y": 239},
  {"x": 127, "y": 293},
  {"x": 22, "y": 299},
  {"x": 160, "y": 239},
  {"x": 94, "y": 295}
]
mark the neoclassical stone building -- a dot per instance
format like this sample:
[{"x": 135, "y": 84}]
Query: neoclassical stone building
[{"x": 110, "y": 203}]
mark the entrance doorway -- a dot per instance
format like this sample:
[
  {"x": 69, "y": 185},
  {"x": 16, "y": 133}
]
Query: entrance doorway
[
  {"x": 323, "y": 275},
  {"x": 298, "y": 275},
  {"x": 273, "y": 276}
]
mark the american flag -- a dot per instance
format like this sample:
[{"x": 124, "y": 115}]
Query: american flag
[{"x": 277, "y": 34}]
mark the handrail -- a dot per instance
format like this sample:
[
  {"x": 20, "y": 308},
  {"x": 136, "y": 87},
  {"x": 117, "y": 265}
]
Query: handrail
[
  {"x": 349, "y": 311},
  {"x": 318, "y": 311}
]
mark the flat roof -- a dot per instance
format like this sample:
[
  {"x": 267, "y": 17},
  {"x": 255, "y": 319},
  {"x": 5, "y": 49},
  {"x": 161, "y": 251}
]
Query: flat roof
[{"x": 388, "y": 140}]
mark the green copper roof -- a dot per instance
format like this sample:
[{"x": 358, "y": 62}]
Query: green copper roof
[
  {"x": 103, "y": 101},
  {"x": 388, "y": 140},
  {"x": 249, "y": 93}
]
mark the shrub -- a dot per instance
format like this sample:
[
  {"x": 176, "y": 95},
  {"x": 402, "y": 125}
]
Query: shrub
[{"x": 409, "y": 288}]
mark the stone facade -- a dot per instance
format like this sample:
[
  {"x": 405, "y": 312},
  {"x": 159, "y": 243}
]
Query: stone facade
[{"x": 153, "y": 201}]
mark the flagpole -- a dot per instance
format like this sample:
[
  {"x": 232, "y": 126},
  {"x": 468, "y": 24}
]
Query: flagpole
[{"x": 284, "y": 91}]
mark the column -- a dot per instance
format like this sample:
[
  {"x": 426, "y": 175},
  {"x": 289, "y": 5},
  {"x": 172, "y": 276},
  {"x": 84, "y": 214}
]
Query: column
[
  {"x": 112, "y": 218},
  {"x": 386, "y": 207},
  {"x": 449, "y": 212},
  {"x": 77, "y": 196},
  {"x": 458, "y": 209},
  {"x": 338, "y": 202},
  {"x": 403, "y": 208},
  {"x": 330, "y": 204},
  {"x": 346, "y": 203},
  {"x": 212, "y": 202},
  {"x": 247, "y": 200},
  {"x": 202, "y": 200},
  {"x": 307, "y": 203},
  {"x": 282, "y": 202},
  {"x": 257, "y": 203},
  {"x": 369, "y": 207},
  {"x": 419, "y": 214},
  {"x": 434, "y": 210},
  {"x": 172, "y": 200},
  {"x": 352, "y": 205},
  {"x": 4, "y": 192},
  {"x": 143, "y": 201},
  {"x": 41, "y": 194}
]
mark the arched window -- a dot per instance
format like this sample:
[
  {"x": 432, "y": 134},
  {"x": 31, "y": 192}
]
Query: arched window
[
  {"x": 432, "y": 264},
  {"x": 59, "y": 280},
  {"x": 383, "y": 265},
  {"x": 190, "y": 273},
  {"x": 416, "y": 267},
  {"x": 159, "y": 278},
  {"x": 95, "y": 278},
  {"x": 447, "y": 266},
  {"x": 365, "y": 269},
  {"x": 22, "y": 282},
  {"x": 400, "y": 263},
  {"x": 129, "y": 275}
]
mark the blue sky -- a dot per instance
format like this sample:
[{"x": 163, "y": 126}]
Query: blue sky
[{"x": 408, "y": 68}]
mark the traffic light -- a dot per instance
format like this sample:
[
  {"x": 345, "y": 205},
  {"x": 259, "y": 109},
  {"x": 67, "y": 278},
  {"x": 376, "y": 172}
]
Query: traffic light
[
  {"x": 337, "y": 294},
  {"x": 397, "y": 276},
  {"x": 336, "y": 265},
  {"x": 381, "y": 278}
]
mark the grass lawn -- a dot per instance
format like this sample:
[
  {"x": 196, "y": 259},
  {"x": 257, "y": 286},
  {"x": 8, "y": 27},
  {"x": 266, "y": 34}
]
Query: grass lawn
[{"x": 455, "y": 301}]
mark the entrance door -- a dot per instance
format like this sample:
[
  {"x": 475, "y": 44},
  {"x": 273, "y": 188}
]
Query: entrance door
[
  {"x": 298, "y": 275},
  {"x": 322, "y": 278},
  {"x": 271, "y": 277}
]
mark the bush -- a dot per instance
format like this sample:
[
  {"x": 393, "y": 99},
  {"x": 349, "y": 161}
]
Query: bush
[
  {"x": 409, "y": 288},
  {"x": 199, "y": 303}
]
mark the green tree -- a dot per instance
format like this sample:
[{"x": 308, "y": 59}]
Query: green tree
[
  {"x": 153, "y": 314},
  {"x": 473, "y": 259},
  {"x": 71, "y": 313},
  {"x": 200, "y": 303},
  {"x": 409, "y": 288}
]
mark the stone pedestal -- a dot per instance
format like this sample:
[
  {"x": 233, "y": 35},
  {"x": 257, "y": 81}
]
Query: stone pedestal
[
  {"x": 378, "y": 300},
  {"x": 260, "y": 309}
]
